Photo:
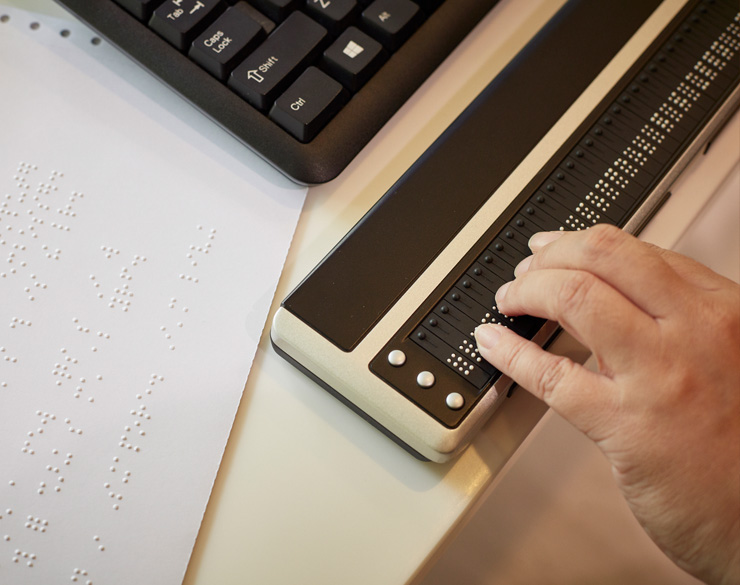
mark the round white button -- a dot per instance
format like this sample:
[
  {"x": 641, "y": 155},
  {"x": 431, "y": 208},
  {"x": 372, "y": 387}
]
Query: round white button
[
  {"x": 425, "y": 379},
  {"x": 396, "y": 358},
  {"x": 455, "y": 401}
]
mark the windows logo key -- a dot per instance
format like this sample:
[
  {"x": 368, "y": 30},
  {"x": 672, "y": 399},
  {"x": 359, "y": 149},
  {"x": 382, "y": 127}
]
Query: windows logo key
[{"x": 353, "y": 49}]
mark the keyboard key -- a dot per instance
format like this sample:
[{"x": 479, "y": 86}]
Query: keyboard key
[
  {"x": 353, "y": 58},
  {"x": 180, "y": 21},
  {"x": 277, "y": 10},
  {"x": 391, "y": 21},
  {"x": 429, "y": 6},
  {"x": 309, "y": 104},
  {"x": 276, "y": 62},
  {"x": 227, "y": 41},
  {"x": 141, "y": 9},
  {"x": 267, "y": 25},
  {"x": 335, "y": 15}
]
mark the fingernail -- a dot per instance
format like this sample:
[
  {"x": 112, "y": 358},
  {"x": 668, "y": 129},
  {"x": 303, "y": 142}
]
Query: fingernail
[
  {"x": 501, "y": 292},
  {"x": 523, "y": 266},
  {"x": 541, "y": 239},
  {"x": 486, "y": 336}
]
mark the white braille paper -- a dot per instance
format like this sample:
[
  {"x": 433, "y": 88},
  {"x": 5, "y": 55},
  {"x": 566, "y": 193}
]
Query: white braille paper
[{"x": 140, "y": 247}]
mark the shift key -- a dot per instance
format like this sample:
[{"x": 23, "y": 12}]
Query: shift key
[{"x": 278, "y": 61}]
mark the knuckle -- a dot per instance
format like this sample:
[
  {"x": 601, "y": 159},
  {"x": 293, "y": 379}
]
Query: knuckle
[
  {"x": 599, "y": 240},
  {"x": 551, "y": 378},
  {"x": 718, "y": 316},
  {"x": 511, "y": 358},
  {"x": 573, "y": 295},
  {"x": 603, "y": 235},
  {"x": 542, "y": 373}
]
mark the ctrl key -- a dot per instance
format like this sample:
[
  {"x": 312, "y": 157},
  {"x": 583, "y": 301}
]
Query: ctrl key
[{"x": 308, "y": 105}]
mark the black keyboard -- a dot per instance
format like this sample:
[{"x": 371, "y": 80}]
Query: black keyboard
[{"x": 304, "y": 83}]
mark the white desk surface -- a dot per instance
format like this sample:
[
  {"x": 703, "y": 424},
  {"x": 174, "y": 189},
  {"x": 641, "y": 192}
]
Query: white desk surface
[{"x": 308, "y": 492}]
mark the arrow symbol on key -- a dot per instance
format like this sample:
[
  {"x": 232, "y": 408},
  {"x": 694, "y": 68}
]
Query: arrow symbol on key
[{"x": 252, "y": 74}]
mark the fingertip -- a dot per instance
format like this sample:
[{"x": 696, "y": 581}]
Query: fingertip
[
  {"x": 487, "y": 336},
  {"x": 501, "y": 292},
  {"x": 523, "y": 266},
  {"x": 541, "y": 239}
]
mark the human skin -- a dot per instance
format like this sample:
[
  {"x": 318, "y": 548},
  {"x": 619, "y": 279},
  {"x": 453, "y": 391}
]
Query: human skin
[{"x": 664, "y": 406}]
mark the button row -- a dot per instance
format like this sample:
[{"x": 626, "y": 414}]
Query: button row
[{"x": 426, "y": 379}]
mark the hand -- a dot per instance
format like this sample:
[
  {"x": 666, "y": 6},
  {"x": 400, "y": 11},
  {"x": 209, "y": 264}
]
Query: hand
[{"x": 664, "y": 406}]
